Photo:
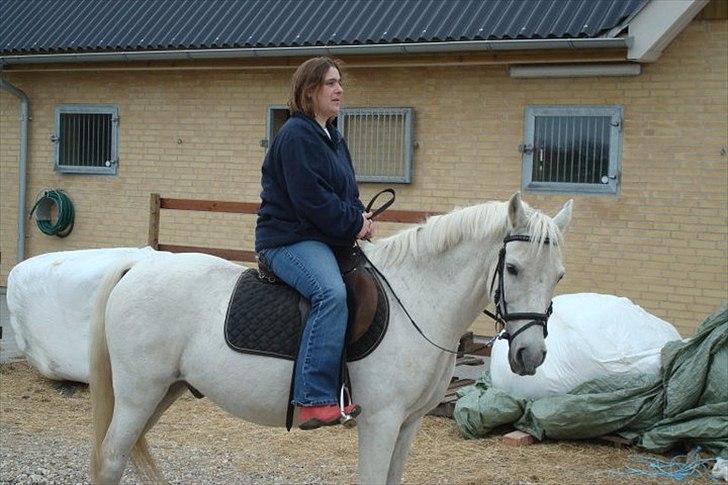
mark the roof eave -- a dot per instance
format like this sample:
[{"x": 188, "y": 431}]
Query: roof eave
[
  {"x": 657, "y": 24},
  {"x": 339, "y": 50}
]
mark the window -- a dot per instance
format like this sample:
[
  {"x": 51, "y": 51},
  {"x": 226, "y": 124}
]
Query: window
[
  {"x": 380, "y": 142},
  {"x": 379, "y": 139},
  {"x": 572, "y": 149},
  {"x": 277, "y": 115},
  {"x": 86, "y": 138}
]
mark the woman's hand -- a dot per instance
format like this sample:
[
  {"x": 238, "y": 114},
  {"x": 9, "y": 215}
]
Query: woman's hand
[
  {"x": 372, "y": 230},
  {"x": 367, "y": 226}
]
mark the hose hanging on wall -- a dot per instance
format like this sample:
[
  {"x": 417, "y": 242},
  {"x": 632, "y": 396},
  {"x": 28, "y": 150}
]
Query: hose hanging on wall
[{"x": 44, "y": 205}]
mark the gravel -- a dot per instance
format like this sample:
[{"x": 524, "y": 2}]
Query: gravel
[{"x": 45, "y": 429}]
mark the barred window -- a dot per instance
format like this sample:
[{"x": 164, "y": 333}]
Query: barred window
[
  {"x": 379, "y": 139},
  {"x": 380, "y": 142},
  {"x": 86, "y": 139},
  {"x": 572, "y": 149}
]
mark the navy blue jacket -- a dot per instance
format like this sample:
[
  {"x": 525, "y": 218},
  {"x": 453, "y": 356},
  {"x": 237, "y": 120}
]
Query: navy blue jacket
[{"x": 309, "y": 189}]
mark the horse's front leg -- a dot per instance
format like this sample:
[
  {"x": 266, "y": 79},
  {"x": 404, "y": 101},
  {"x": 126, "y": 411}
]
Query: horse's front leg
[
  {"x": 378, "y": 434},
  {"x": 407, "y": 433}
]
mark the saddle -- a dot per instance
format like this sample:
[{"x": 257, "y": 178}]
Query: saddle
[{"x": 265, "y": 316}]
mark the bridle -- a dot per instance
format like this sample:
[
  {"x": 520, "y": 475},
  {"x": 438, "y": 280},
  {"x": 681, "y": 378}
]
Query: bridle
[{"x": 501, "y": 306}]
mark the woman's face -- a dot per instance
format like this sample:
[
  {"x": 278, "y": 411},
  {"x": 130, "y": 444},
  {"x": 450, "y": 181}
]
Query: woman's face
[{"x": 327, "y": 98}]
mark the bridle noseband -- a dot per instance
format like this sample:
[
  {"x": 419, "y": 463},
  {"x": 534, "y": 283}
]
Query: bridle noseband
[{"x": 501, "y": 307}]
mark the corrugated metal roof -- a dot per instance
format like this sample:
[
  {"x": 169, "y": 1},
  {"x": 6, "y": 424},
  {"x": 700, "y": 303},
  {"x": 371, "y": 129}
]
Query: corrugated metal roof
[{"x": 58, "y": 26}]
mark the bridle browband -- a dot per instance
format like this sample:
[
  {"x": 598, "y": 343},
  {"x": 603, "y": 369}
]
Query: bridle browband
[{"x": 501, "y": 306}]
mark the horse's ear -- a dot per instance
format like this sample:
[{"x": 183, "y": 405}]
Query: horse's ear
[
  {"x": 563, "y": 218},
  {"x": 516, "y": 214}
]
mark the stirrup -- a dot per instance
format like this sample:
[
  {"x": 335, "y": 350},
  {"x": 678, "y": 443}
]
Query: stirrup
[{"x": 347, "y": 420}]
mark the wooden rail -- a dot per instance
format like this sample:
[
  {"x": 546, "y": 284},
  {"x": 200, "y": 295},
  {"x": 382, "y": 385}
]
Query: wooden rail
[{"x": 157, "y": 203}]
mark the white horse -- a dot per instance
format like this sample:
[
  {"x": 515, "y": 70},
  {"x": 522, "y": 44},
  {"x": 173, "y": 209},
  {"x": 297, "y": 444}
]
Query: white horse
[{"x": 160, "y": 326}]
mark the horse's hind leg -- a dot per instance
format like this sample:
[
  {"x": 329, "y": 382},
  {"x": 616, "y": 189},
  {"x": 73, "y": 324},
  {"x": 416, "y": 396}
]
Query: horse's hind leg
[
  {"x": 132, "y": 412},
  {"x": 173, "y": 393},
  {"x": 140, "y": 457}
]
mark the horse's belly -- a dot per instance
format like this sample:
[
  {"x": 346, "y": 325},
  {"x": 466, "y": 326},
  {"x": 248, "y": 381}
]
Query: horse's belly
[{"x": 251, "y": 387}]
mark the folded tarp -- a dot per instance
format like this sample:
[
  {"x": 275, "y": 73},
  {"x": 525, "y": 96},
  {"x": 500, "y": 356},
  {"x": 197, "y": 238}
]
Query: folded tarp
[{"x": 686, "y": 403}]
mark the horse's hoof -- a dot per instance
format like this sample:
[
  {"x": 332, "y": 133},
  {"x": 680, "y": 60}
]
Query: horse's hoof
[{"x": 348, "y": 422}]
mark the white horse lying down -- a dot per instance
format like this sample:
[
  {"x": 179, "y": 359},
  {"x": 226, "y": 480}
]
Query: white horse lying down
[{"x": 160, "y": 326}]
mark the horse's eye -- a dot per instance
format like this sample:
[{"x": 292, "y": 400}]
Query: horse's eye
[{"x": 512, "y": 269}]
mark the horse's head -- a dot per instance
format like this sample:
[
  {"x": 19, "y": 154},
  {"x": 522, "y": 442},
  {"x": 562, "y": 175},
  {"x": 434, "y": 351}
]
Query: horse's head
[{"x": 529, "y": 267}]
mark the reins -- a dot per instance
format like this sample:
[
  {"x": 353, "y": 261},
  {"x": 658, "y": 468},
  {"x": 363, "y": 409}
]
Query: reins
[{"x": 378, "y": 211}]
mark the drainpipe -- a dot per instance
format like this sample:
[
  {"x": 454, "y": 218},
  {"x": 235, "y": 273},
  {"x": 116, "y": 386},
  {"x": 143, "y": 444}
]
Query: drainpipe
[{"x": 22, "y": 164}]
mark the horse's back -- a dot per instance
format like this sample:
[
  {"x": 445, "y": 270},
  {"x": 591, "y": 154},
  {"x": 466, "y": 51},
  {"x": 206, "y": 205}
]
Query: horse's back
[{"x": 163, "y": 302}]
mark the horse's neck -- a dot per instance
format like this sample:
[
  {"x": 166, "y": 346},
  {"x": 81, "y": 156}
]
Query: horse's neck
[{"x": 446, "y": 292}]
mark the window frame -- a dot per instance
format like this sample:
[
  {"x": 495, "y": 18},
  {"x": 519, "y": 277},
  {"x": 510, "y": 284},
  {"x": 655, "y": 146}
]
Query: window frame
[
  {"x": 407, "y": 142},
  {"x": 266, "y": 143},
  {"x": 614, "y": 170},
  {"x": 87, "y": 108}
]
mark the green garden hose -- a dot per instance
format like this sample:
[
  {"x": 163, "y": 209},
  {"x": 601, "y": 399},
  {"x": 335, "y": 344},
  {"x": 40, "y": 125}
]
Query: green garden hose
[{"x": 63, "y": 224}]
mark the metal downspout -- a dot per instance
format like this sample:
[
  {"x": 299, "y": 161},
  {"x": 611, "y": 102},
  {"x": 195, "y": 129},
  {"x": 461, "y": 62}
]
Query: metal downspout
[{"x": 22, "y": 164}]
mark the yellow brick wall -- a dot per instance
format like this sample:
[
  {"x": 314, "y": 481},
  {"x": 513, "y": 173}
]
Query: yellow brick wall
[{"x": 663, "y": 242}]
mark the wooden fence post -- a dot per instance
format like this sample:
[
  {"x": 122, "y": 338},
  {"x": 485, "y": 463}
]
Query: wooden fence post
[{"x": 154, "y": 208}]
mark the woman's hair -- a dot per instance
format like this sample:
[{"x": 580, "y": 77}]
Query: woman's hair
[{"x": 306, "y": 80}]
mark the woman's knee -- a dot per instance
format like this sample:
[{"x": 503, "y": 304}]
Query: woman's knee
[{"x": 331, "y": 293}]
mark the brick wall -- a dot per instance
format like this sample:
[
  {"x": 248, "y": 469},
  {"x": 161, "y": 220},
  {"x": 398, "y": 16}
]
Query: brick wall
[{"x": 663, "y": 242}]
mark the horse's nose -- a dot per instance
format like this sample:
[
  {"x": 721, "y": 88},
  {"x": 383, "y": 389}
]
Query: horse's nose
[
  {"x": 528, "y": 360},
  {"x": 519, "y": 357}
]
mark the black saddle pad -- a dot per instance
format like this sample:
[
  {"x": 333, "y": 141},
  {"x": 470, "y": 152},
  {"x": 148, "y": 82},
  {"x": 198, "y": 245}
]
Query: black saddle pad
[{"x": 267, "y": 319}]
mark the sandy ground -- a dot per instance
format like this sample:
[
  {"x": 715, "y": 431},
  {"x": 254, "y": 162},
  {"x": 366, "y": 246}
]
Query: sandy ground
[{"x": 45, "y": 430}]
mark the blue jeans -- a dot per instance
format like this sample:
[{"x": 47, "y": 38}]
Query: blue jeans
[{"x": 310, "y": 267}]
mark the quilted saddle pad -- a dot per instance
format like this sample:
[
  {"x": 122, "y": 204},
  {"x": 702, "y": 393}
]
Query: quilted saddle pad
[{"x": 267, "y": 319}]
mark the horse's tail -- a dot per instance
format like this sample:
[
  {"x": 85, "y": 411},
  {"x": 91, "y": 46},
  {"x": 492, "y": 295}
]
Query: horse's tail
[{"x": 101, "y": 387}]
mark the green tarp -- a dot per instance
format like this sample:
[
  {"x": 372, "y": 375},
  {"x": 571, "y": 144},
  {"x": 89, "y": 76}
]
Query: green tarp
[{"x": 687, "y": 403}]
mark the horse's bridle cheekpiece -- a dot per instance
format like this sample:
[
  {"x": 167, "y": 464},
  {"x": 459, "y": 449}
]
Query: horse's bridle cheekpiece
[{"x": 501, "y": 307}]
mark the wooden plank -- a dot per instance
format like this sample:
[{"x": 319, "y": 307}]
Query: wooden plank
[
  {"x": 229, "y": 254},
  {"x": 518, "y": 438},
  {"x": 474, "y": 345},
  {"x": 458, "y": 383},
  {"x": 445, "y": 409},
  {"x": 154, "y": 206},
  {"x": 402, "y": 216},
  {"x": 469, "y": 360},
  {"x": 209, "y": 205}
]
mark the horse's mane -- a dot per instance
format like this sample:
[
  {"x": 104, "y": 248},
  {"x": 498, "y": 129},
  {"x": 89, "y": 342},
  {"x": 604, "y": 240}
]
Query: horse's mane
[{"x": 441, "y": 232}]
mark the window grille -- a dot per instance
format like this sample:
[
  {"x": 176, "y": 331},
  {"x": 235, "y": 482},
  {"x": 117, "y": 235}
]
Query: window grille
[
  {"x": 380, "y": 142},
  {"x": 572, "y": 149},
  {"x": 86, "y": 139},
  {"x": 379, "y": 139}
]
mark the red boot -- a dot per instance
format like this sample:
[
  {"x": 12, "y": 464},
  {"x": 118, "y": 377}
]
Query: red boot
[{"x": 312, "y": 417}]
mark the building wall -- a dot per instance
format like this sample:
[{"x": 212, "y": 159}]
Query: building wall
[{"x": 662, "y": 242}]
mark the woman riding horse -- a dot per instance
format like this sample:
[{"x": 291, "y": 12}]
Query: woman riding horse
[{"x": 309, "y": 208}]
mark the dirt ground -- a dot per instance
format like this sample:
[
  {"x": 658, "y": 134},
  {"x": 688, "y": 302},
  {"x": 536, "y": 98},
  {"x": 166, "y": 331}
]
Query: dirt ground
[{"x": 34, "y": 406}]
